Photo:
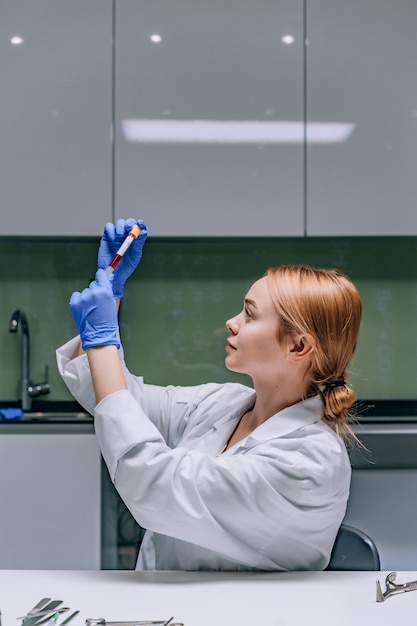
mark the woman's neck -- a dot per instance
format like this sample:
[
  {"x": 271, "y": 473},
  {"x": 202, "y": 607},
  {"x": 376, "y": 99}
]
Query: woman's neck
[{"x": 271, "y": 400}]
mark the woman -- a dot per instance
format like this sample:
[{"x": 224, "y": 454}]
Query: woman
[{"x": 223, "y": 476}]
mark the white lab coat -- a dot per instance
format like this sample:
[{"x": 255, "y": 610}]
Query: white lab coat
[{"x": 274, "y": 501}]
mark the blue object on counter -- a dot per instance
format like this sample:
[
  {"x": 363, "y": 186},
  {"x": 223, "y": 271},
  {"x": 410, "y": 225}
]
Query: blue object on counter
[{"x": 10, "y": 414}]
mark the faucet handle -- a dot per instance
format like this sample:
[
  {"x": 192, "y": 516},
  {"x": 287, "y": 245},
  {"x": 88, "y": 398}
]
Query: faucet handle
[{"x": 40, "y": 389}]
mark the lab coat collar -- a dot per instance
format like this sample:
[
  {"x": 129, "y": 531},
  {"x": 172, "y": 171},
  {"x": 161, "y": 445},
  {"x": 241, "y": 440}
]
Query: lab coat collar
[
  {"x": 282, "y": 423},
  {"x": 288, "y": 420},
  {"x": 236, "y": 406}
]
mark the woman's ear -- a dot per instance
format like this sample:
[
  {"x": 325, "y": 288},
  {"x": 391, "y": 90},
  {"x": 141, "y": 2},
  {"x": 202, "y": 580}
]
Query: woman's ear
[{"x": 301, "y": 346}]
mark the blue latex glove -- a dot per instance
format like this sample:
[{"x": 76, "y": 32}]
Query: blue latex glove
[
  {"x": 113, "y": 237},
  {"x": 94, "y": 312}
]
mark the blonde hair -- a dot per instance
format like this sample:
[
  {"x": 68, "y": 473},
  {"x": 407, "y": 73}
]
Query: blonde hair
[{"x": 325, "y": 305}]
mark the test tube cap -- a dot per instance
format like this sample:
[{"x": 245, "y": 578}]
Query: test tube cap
[{"x": 134, "y": 231}]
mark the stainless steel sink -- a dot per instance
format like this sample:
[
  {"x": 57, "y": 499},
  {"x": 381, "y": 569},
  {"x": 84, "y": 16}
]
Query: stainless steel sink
[{"x": 48, "y": 412}]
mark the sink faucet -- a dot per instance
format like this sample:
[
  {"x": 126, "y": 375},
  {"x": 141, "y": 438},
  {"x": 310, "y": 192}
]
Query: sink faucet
[{"x": 27, "y": 389}]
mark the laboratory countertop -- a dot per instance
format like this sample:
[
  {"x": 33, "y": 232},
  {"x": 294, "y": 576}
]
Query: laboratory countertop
[
  {"x": 212, "y": 598},
  {"x": 367, "y": 412},
  {"x": 387, "y": 428}
]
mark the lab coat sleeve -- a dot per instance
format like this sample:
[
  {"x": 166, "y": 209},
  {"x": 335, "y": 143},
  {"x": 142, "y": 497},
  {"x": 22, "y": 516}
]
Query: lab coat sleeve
[
  {"x": 240, "y": 506},
  {"x": 75, "y": 373},
  {"x": 153, "y": 399}
]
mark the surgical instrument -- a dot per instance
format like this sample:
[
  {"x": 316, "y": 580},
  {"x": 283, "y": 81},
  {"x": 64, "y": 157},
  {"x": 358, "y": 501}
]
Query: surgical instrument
[
  {"x": 392, "y": 588},
  {"x": 41, "y": 604},
  {"x": 100, "y": 621},
  {"x": 50, "y": 619},
  {"x": 67, "y": 619},
  {"x": 47, "y": 609},
  {"x": 45, "y": 612},
  {"x": 132, "y": 235},
  {"x": 30, "y": 618}
]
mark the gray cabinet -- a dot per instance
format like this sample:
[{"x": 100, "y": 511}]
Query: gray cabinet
[
  {"x": 55, "y": 122},
  {"x": 206, "y": 104},
  {"x": 209, "y": 116},
  {"x": 383, "y": 503},
  {"x": 50, "y": 497},
  {"x": 383, "y": 498},
  {"x": 361, "y": 75}
]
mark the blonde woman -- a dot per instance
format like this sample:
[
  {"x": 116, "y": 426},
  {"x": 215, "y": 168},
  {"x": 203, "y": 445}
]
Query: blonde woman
[{"x": 225, "y": 476}]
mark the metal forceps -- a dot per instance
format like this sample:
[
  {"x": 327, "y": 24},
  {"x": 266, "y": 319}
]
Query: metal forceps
[
  {"x": 392, "y": 588},
  {"x": 100, "y": 621}
]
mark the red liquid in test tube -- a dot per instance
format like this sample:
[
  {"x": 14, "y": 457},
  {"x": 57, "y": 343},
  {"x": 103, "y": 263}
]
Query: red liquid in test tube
[{"x": 132, "y": 235}]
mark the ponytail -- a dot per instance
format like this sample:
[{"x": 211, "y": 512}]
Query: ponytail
[{"x": 338, "y": 401}]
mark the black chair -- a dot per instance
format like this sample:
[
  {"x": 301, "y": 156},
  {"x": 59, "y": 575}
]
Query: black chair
[{"x": 353, "y": 550}]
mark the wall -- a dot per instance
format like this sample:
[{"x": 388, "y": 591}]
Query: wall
[{"x": 173, "y": 314}]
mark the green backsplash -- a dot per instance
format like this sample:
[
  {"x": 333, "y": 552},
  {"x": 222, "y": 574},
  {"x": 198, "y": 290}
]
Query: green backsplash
[{"x": 175, "y": 307}]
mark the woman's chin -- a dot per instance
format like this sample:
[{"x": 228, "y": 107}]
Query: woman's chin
[{"x": 232, "y": 368}]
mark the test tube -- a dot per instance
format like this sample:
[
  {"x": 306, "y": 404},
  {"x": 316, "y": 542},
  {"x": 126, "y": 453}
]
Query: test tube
[{"x": 132, "y": 235}]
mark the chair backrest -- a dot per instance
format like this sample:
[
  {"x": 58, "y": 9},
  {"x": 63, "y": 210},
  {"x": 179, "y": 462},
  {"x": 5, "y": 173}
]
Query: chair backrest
[{"x": 353, "y": 550}]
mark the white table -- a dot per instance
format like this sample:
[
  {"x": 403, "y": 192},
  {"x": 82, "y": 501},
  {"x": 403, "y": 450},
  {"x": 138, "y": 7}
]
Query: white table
[{"x": 211, "y": 598}]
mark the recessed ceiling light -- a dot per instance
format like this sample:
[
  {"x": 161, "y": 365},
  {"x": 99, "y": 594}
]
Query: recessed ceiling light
[{"x": 234, "y": 131}]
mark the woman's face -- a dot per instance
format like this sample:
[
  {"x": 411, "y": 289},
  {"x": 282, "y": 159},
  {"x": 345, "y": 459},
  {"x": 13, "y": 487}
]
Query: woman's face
[{"x": 252, "y": 346}]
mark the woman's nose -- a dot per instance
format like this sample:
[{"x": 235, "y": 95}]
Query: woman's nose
[{"x": 232, "y": 325}]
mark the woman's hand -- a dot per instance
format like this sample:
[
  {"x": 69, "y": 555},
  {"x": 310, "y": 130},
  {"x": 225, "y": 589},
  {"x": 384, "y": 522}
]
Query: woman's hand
[
  {"x": 113, "y": 237},
  {"x": 95, "y": 313}
]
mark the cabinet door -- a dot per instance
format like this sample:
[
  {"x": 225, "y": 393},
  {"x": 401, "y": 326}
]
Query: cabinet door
[
  {"x": 361, "y": 74},
  {"x": 50, "y": 501},
  {"x": 55, "y": 122},
  {"x": 388, "y": 519},
  {"x": 209, "y": 116}
]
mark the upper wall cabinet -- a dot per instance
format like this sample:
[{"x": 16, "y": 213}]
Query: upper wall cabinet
[
  {"x": 362, "y": 94},
  {"x": 209, "y": 112},
  {"x": 55, "y": 122}
]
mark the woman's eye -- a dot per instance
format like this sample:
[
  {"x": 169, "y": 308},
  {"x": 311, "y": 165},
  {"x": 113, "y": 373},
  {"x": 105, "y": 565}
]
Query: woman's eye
[{"x": 247, "y": 312}]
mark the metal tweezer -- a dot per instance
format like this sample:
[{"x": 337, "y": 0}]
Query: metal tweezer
[
  {"x": 46, "y": 611},
  {"x": 100, "y": 621},
  {"x": 392, "y": 588}
]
